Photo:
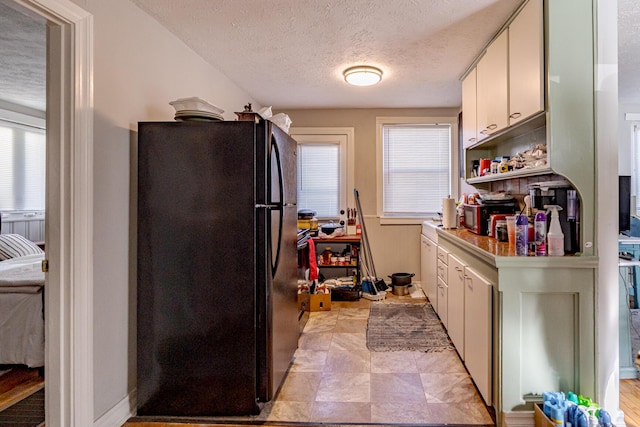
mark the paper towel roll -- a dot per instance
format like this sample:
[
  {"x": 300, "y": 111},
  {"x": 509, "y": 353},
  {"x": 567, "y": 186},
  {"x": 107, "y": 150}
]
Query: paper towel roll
[{"x": 449, "y": 213}]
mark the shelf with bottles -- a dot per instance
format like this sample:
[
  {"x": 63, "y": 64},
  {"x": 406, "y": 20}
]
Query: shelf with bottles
[
  {"x": 526, "y": 153},
  {"x": 338, "y": 254}
]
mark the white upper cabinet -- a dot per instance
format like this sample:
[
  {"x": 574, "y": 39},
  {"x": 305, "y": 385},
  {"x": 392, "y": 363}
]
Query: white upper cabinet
[
  {"x": 526, "y": 61},
  {"x": 469, "y": 121},
  {"x": 492, "y": 101}
]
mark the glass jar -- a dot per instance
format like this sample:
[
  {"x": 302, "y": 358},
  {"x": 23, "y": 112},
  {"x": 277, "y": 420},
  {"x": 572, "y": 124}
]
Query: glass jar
[
  {"x": 501, "y": 231},
  {"x": 326, "y": 256}
]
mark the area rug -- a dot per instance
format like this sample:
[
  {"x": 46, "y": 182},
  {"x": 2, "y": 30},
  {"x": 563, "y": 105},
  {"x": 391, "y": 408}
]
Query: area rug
[
  {"x": 403, "y": 327},
  {"x": 29, "y": 412}
]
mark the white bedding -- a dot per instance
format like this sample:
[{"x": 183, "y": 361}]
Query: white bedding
[{"x": 21, "y": 311}]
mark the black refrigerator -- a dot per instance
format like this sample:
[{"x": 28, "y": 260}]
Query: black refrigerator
[{"x": 217, "y": 315}]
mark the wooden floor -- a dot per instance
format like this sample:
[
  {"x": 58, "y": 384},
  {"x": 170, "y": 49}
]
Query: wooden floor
[
  {"x": 630, "y": 401},
  {"x": 17, "y": 384}
]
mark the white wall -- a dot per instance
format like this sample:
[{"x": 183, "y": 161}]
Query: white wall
[
  {"x": 607, "y": 302},
  {"x": 139, "y": 68},
  {"x": 625, "y": 129},
  {"x": 395, "y": 248}
]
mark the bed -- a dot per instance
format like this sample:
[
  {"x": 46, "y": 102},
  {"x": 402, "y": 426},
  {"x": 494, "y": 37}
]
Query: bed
[{"x": 21, "y": 302}]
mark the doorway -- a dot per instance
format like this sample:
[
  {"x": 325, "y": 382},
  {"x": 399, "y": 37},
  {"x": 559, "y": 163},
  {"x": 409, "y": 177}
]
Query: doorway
[{"x": 69, "y": 205}]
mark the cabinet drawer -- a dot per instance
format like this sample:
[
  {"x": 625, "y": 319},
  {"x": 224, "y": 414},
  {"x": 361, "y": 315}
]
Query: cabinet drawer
[
  {"x": 442, "y": 308},
  {"x": 443, "y": 255},
  {"x": 442, "y": 271}
]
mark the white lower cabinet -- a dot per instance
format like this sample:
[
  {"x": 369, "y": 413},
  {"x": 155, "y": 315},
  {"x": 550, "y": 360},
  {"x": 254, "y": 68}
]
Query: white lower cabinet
[
  {"x": 428, "y": 267},
  {"x": 442, "y": 301},
  {"x": 477, "y": 331},
  {"x": 455, "y": 303},
  {"x": 442, "y": 272}
]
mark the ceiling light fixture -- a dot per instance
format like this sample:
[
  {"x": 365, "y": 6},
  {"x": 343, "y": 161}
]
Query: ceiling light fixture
[{"x": 362, "y": 75}]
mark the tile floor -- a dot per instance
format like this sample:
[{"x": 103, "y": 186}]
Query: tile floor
[{"x": 336, "y": 379}]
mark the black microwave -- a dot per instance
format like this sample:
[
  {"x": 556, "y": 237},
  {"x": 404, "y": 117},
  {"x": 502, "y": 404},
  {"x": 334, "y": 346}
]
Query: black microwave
[{"x": 476, "y": 217}]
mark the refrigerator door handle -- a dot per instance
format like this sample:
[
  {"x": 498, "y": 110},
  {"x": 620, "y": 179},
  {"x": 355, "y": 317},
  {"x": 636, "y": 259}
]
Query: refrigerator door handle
[
  {"x": 272, "y": 206},
  {"x": 277, "y": 176}
]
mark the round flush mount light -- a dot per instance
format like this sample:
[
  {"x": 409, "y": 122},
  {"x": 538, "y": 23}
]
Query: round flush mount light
[{"x": 362, "y": 75}]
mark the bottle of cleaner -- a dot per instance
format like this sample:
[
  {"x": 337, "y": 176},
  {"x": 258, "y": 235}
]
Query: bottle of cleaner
[
  {"x": 555, "y": 236},
  {"x": 540, "y": 233},
  {"x": 522, "y": 234}
]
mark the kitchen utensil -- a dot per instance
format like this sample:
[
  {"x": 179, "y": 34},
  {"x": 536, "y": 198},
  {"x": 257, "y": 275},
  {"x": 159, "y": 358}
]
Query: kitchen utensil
[
  {"x": 328, "y": 229},
  {"x": 401, "y": 290},
  {"x": 401, "y": 279}
]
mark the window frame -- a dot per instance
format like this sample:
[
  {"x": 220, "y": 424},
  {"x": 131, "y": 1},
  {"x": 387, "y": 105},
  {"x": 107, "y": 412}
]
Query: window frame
[
  {"x": 346, "y": 155},
  {"x": 454, "y": 179}
]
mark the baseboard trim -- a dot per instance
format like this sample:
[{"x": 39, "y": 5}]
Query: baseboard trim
[
  {"x": 120, "y": 413},
  {"x": 518, "y": 419},
  {"x": 628, "y": 373}
]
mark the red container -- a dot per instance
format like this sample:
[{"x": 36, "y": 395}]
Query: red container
[{"x": 485, "y": 164}]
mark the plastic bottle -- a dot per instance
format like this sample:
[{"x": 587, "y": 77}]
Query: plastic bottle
[
  {"x": 541, "y": 233},
  {"x": 555, "y": 236},
  {"x": 572, "y": 202},
  {"x": 522, "y": 234}
]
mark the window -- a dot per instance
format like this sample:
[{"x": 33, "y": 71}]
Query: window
[
  {"x": 325, "y": 176},
  {"x": 22, "y": 164},
  {"x": 415, "y": 167}
]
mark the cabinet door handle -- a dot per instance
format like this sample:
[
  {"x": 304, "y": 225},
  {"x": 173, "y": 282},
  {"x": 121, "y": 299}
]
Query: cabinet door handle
[
  {"x": 483, "y": 131},
  {"x": 515, "y": 115},
  {"x": 469, "y": 282},
  {"x": 492, "y": 126},
  {"x": 472, "y": 140}
]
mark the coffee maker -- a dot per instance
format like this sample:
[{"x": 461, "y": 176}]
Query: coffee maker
[{"x": 559, "y": 193}]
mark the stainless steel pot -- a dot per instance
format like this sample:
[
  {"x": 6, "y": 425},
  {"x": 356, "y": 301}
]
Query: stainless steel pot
[{"x": 401, "y": 290}]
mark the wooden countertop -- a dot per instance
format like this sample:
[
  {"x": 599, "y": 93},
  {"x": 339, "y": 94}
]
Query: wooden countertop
[
  {"x": 485, "y": 243},
  {"x": 501, "y": 254},
  {"x": 339, "y": 239}
]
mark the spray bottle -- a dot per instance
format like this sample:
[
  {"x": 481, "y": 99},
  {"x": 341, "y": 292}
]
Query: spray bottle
[
  {"x": 555, "y": 236},
  {"x": 540, "y": 233}
]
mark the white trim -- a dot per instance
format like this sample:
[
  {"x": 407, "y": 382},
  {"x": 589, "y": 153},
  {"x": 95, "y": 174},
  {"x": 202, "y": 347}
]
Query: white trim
[
  {"x": 120, "y": 413},
  {"x": 349, "y": 133},
  {"x": 518, "y": 419},
  {"x": 69, "y": 226},
  {"x": 22, "y": 119},
  {"x": 453, "y": 163}
]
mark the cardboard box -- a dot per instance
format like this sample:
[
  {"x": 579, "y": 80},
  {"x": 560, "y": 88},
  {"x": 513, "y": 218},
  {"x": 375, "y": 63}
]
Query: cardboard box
[
  {"x": 314, "y": 302},
  {"x": 541, "y": 420}
]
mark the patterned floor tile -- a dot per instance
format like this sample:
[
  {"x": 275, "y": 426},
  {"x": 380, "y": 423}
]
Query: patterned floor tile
[
  {"x": 403, "y": 388},
  {"x": 344, "y": 387},
  {"x": 393, "y": 362},
  {"x": 341, "y": 412}
]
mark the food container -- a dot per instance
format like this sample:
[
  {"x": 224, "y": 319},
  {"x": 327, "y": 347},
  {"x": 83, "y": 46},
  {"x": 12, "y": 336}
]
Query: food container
[{"x": 195, "y": 104}]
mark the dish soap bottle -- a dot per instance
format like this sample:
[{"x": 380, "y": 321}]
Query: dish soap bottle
[{"x": 555, "y": 237}]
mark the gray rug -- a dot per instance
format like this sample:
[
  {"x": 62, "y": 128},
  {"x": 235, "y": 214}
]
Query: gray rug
[{"x": 402, "y": 327}]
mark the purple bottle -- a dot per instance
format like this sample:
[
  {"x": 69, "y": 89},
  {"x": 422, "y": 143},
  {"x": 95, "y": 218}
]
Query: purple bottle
[
  {"x": 522, "y": 232},
  {"x": 541, "y": 233}
]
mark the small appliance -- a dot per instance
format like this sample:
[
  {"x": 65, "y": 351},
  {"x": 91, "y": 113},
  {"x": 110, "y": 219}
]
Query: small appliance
[{"x": 477, "y": 216}]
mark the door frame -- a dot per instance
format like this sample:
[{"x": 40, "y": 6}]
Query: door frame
[{"x": 69, "y": 213}]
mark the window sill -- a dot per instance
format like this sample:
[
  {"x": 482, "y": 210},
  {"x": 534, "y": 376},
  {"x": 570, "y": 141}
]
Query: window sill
[{"x": 406, "y": 221}]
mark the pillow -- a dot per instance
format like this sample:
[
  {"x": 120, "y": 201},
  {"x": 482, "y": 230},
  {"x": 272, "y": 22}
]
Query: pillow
[{"x": 15, "y": 245}]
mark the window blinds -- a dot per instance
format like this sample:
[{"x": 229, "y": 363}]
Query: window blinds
[
  {"x": 319, "y": 179},
  {"x": 415, "y": 168},
  {"x": 22, "y": 167}
]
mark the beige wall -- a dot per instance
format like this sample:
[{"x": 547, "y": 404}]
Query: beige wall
[
  {"x": 395, "y": 248},
  {"x": 138, "y": 68}
]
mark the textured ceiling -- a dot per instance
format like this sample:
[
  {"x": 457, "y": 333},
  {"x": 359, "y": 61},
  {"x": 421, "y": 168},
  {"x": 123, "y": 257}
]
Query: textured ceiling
[
  {"x": 23, "y": 51},
  {"x": 291, "y": 53}
]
